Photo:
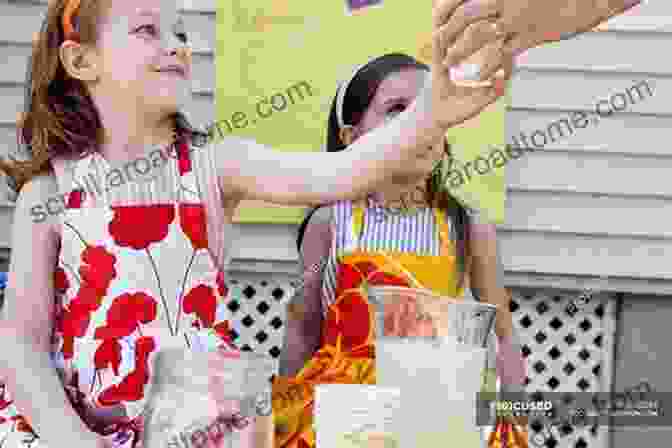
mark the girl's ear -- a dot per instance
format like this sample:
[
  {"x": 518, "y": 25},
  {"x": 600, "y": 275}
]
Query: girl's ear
[
  {"x": 347, "y": 134},
  {"x": 78, "y": 61}
]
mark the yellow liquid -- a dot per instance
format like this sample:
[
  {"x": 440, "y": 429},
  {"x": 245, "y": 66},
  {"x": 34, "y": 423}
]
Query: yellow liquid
[
  {"x": 457, "y": 432},
  {"x": 367, "y": 440}
]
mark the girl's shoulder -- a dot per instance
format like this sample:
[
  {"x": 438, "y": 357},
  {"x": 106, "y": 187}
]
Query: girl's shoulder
[
  {"x": 41, "y": 186},
  {"x": 319, "y": 216},
  {"x": 35, "y": 202}
]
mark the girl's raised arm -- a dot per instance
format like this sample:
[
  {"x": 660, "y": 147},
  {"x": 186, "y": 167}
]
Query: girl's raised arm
[
  {"x": 250, "y": 170},
  {"x": 26, "y": 325},
  {"x": 399, "y": 151}
]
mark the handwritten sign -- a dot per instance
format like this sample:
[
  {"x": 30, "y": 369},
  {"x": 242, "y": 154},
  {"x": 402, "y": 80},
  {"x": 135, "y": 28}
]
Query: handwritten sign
[{"x": 279, "y": 63}]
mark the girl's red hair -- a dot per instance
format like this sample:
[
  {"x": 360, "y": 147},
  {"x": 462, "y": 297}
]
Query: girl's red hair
[{"x": 60, "y": 117}]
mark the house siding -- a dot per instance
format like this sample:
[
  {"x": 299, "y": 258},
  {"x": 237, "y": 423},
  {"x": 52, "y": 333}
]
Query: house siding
[{"x": 595, "y": 199}]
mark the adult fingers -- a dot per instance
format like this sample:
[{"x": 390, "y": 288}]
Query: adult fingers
[
  {"x": 475, "y": 36},
  {"x": 519, "y": 16},
  {"x": 466, "y": 14},
  {"x": 441, "y": 13},
  {"x": 496, "y": 61},
  {"x": 520, "y": 43},
  {"x": 479, "y": 98}
]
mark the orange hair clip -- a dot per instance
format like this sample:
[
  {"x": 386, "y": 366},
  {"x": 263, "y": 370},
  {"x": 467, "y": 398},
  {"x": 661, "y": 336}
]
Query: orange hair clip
[{"x": 71, "y": 7}]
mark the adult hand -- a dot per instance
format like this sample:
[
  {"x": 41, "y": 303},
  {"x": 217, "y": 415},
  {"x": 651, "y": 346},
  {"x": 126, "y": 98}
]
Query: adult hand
[
  {"x": 453, "y": 101},
  {"x": 527, "y": 24}
]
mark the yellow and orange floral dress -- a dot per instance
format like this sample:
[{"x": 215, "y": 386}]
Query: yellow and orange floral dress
[{"x": 366, "y": 252}]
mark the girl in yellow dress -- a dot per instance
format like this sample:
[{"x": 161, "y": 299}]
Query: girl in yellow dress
[{"x": 330, "y": 333}]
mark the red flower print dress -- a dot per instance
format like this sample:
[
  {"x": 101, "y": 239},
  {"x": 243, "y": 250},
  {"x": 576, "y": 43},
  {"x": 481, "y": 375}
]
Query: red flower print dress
[{"x": 132, "y": 278}]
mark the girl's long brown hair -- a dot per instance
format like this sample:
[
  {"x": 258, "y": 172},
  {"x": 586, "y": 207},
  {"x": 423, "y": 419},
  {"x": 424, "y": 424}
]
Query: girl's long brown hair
[{"x": 60, "y": 117}]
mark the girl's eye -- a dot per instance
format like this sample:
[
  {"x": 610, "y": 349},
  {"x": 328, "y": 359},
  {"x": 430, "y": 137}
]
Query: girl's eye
[
  {"x": 150, "y": 28},
  {"x": 396, "y": 110}
]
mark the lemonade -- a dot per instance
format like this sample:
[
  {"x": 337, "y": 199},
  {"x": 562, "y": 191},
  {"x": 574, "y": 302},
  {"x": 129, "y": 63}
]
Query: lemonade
[
  {"x": 439, "y": 382},
  {"x": 368, "y": 440},
  {"x": 453, "y": 434}
]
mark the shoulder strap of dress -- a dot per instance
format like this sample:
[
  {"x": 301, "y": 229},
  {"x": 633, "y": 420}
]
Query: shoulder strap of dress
[
  {"x": 358, "y": 209},
  {"x": 445, "y": 244},
  {"x": 64, "y": 171},
  {"x": 218, "y": 229}
]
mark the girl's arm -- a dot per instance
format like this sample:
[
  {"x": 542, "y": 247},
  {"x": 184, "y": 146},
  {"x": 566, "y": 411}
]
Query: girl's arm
[
  {"x": 400, "y": 149},
  {"x": 304, "y": 317},
  {"x": 26, "y": 325},
  {"x": 487, "y": 284},
  {"x": 249, "y": 170}
]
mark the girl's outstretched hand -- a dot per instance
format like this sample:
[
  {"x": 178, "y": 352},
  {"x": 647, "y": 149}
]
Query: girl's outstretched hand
[
  {"x": 461, "y": 91},
  {"x": 527, "y": 24}
]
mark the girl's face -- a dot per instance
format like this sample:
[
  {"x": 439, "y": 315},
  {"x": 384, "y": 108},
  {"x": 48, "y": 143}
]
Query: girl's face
[
  {"x": 395, "y": 93},
  {"x": 141, "y": 56},
  {"x": 393, "y": 96}
]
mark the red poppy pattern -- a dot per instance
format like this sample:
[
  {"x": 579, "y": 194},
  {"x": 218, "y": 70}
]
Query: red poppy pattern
[
  {"x": 120, "y": 294},
  {"x": 352, "y": 305},
  {"x": 192, "y": 222},
  {"x": 61, "y": 283},
  {"x": 202, "y": 302},
  {"x": 131, "y": 387},
  {"x": 139, "y": 226}
]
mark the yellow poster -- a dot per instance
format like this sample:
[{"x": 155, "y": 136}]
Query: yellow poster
[{"x": 279, "y": 63}]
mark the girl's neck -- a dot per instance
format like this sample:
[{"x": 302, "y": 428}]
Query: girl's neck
[
  {"x": 131, "y": 132},
  {"x": 394, "y": 195},
  {"x": 124, "y": 144}
]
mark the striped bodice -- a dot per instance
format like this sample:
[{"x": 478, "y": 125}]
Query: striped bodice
[{"x": 380, "y": 231}]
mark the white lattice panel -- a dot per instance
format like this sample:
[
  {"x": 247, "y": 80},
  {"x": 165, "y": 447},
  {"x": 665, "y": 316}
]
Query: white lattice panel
[
  {"x": 257, "y": 303},
  {"x": 566, "y": 352}
]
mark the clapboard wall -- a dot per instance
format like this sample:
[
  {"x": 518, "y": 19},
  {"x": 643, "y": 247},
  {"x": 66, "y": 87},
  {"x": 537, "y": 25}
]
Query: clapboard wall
[{"x": 599, "y": 201}]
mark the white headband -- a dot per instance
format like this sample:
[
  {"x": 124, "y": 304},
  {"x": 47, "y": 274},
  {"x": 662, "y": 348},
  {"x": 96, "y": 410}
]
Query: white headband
[{"x": 340, "y": 98}]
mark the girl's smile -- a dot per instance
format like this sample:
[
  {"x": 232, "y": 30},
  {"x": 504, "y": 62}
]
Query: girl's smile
[{"x": 173, "y": 70}]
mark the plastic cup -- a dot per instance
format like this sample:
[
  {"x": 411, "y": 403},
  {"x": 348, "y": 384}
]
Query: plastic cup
[
  {"x": 356, "y": 415},
  {"x": 194, "y": 397}
]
